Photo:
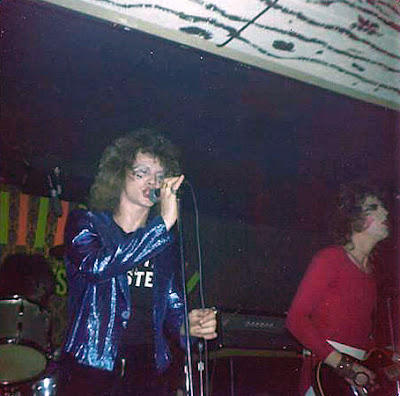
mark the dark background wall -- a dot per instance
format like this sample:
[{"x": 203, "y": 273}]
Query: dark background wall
[{"x": 265, "y": 153}]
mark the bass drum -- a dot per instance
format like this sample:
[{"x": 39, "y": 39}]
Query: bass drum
[{"x": 24, "y": 340}]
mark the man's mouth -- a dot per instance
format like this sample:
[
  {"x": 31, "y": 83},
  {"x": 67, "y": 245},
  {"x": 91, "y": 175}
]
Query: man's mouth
[{"x": 146, "y": 193}]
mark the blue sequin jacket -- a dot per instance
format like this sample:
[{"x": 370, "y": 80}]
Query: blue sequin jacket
[{"x": 99, "y": 306}]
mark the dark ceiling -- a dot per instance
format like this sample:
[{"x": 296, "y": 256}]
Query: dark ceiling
[{"x": 71, "y": 84}]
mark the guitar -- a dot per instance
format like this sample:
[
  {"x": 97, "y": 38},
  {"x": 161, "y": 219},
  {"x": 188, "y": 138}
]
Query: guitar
[{"x": 328, "y": 383}]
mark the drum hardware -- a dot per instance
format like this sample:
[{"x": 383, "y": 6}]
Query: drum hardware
[
  {"x": 45, "y": 387},
  {"x": 24, "y": 343}
]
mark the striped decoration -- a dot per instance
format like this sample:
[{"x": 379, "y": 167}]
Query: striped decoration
[
  {"x": 4, "y": 216},
  {"x": 27, "y": 223},
  {"x": 348, "y": 46},
  {"x": 23, "y": 220}
]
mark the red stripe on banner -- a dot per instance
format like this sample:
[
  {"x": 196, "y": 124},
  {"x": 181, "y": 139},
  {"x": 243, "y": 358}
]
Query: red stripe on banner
[
  {"x": 23, "y": 220},
  {"x": 59, "y": 235}
]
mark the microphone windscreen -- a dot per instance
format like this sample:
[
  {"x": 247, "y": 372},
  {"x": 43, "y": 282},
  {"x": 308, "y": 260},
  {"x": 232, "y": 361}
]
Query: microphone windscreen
[{"x": 154, "y": 195}]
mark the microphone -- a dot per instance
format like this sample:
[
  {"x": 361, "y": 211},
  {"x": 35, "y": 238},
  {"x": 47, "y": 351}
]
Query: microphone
[
  {"x": 57, "y": 180},
  {"x": 155, "y": 193},
  {"x": 54, "y": 181}
]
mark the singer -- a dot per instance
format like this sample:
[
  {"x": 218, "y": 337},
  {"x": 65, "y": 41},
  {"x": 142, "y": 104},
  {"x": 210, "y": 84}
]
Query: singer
[{"x": 121, "y": 263}]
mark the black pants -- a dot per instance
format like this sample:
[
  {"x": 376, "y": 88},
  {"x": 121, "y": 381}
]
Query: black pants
[
  {"x": 77, "y": 379},
  {"x": 137, "y": 377}
]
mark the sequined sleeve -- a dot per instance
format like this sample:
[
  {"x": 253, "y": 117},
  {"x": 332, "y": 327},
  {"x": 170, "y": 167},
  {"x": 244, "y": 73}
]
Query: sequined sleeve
[{"x": 94, "y": 251}]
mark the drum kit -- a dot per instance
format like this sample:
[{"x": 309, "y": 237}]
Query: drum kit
[
  {"x": 27, "y": 360},
  {"x": 25, "y": 350}
]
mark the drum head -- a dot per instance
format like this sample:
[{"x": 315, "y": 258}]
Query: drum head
[
  {"x": 24, "y": 336},
  {"x": 24, "y": 320},
  {"x": 19, "y": 363}
]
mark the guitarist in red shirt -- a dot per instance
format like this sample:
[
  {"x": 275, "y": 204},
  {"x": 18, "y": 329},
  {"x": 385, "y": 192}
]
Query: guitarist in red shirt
[{"x": 332, "y": 312}]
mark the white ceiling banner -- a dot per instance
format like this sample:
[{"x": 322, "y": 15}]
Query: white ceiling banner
[{"x": 348, "y": 46}]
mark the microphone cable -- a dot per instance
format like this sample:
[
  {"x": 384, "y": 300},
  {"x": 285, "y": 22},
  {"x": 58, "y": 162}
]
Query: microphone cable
[{"x": 201, "y": 284}]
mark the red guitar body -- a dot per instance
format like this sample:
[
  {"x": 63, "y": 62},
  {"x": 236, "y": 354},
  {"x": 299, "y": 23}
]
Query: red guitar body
[{"x": 328, "y": 383}]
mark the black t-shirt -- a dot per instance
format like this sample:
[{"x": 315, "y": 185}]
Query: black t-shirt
[
  {"x": 140, "y": 325},
  {"x": 139, "y": 333}
]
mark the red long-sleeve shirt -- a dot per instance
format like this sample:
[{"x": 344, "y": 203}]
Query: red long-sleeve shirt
[{"x": 335, "y": 301}]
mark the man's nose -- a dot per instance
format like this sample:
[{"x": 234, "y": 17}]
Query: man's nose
[{"x": 153, "y": 180}]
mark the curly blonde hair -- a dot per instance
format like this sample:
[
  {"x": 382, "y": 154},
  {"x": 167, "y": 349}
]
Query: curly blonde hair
[{"x": 119, "y": 157}]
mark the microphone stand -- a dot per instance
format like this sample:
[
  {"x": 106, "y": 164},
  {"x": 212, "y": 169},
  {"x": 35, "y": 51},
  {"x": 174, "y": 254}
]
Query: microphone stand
[
  {"x": 201, "y": 367},
  {"x": 188, "y": 366}
]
